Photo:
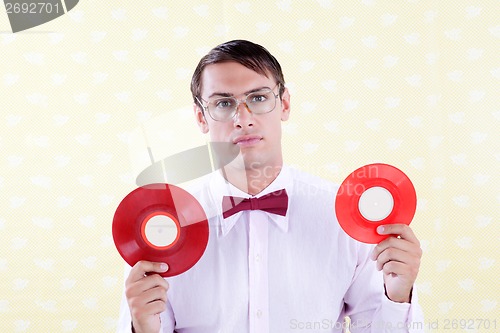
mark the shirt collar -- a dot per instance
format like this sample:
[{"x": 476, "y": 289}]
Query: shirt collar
[{"x": 219, "y": 187}]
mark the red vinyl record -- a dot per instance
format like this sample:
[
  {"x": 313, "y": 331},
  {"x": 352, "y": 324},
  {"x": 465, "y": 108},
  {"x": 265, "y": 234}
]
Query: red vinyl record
[
  {"x": 373, "y": 195},
  {"x": 161, "y": 223}
]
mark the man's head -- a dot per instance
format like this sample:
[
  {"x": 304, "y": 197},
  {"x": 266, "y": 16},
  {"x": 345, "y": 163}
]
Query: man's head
[
  {"x": 233, "y": 79},
  {"x": 246, "y": 53}
]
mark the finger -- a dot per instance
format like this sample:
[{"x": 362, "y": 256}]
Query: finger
[
  {"x": 140, "y": 301},
  {"x": 156, "y": 307},
  {"x": 136, "y": 289},
  {"x": 155, "y": 294},
  {"x": 398, "y": 243},
  {"x": 395, "y": 268},
  {"x": 390, "y": 254},
  {"x": 401, "y": 270},
  {"x": 153, "y": 308},
  {"x": 142, "y": 267},
  {"x": 396, "y": 255},
  {"x": 401, "y": 230}
]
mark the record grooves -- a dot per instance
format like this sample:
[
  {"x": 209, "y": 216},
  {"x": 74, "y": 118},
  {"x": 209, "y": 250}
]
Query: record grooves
[
  {"x": 373, "y": 195},
  {"x": 178, "y": 223}
]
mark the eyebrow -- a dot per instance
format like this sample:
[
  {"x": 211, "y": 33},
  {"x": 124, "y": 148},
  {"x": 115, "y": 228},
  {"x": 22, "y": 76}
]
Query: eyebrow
[{"x": 225, "y": 94}]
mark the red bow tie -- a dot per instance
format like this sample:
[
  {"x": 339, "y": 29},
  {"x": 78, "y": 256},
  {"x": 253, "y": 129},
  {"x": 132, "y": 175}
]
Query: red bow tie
[{"x": 275, "y": 202}]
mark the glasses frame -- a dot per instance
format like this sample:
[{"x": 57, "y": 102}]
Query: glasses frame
[{"x": 239, "y": 102}]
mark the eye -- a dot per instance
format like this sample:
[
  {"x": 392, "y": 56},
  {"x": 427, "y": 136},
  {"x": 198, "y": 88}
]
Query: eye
[
  {"x": 258, "y": 98},
  {"x": 224, "y": 103}
]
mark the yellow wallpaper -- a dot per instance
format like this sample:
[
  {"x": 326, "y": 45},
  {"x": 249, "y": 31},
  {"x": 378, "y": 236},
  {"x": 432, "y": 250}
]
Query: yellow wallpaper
[{"x": 411, "y": 83}]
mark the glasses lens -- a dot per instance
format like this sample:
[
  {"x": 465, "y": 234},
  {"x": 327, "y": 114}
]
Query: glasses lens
[
  {"x": 261, "y": 102},
  {"x": 222, "y": 108}
]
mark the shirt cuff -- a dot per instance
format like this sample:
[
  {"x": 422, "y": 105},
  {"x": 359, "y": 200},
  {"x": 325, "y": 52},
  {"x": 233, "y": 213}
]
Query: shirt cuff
[
  {"x": 394, "y": 314},
  {"x": 400, "y": 317}
]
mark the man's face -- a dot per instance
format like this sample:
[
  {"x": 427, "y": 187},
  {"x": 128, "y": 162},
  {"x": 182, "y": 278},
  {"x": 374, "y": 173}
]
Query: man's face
[{"x": 258, "y": 136}]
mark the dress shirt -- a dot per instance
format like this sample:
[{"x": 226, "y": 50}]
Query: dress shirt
[{"x": 267, "y": 273}]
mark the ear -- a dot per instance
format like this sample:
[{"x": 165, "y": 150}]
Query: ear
[
  {"x": 200, "y": 118},
  {"x": 285, "y": 105}
]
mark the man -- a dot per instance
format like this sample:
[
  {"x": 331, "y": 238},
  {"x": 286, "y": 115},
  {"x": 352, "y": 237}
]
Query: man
[{"x": 263, "y": 271}]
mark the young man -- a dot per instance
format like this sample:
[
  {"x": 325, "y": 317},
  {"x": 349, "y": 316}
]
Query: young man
[{"x": 290, "y": 269}]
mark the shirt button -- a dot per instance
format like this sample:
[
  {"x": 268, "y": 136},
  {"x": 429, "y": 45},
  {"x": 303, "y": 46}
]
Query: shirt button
[
  {"x": 259, "y": 313},
  {"x": 257, "y": 258}
]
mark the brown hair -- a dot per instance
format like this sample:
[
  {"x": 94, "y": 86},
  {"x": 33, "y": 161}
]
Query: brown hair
[{"x": 246, "y": 53}]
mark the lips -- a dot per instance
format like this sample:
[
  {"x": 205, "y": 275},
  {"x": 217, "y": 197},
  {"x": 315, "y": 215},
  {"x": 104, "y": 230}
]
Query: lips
[{"x": 247, "y": 140}]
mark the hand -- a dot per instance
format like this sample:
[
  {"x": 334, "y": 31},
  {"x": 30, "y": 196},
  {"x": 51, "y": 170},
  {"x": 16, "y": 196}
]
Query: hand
[
  {"x": 398, "y": 256},
  {"x": 146, "y": 295}
]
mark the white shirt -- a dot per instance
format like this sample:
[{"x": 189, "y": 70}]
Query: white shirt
[{"x": 263, "y": 272}]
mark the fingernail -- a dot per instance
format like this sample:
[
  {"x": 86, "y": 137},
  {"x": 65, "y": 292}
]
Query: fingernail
[
  {"x": 163, "y": 267},
  {"x": 380, "y": 229}
]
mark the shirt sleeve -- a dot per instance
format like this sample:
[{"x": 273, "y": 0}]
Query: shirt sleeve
[
  {"x": 368, "y": 307},
  {"x": 124, "y": 320},
  {"x": 124, "y": 324}
]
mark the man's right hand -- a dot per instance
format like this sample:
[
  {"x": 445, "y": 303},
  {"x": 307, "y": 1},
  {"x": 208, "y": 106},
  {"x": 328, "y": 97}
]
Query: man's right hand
[{"x": 146, "y": 295}]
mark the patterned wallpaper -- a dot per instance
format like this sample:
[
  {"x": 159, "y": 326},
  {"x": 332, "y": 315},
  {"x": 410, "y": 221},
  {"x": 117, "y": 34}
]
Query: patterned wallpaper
[{"x": 410, "y": 83}]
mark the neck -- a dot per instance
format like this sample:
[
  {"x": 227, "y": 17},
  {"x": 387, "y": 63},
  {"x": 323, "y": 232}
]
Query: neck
[{"x": 251, "y": 180}]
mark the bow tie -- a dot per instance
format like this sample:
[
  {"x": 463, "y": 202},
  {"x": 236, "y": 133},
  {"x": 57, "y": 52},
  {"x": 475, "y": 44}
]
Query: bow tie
[{"x": 275, "y": 202}]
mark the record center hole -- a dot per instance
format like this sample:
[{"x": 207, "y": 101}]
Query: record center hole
[
  {"x": 376, "y": 203},
  {"x": 161, "y": 230}
]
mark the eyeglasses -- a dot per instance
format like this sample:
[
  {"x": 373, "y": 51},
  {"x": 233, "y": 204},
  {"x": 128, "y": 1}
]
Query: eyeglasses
[{"x": 224, "y": 108}]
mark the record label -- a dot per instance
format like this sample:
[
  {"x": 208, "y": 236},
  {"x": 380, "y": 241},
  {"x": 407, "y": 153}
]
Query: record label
[
  {"x": 373, "y": 195},
  {"x": 160, "y": 230},
  {"x": 161, "y": 223}
]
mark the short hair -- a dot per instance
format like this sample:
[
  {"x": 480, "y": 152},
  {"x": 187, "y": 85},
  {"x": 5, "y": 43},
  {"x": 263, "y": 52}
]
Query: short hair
[{"x": 246, "y": 53}]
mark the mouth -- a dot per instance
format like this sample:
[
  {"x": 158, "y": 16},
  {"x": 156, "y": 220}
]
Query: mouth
[{"x": 247, "y": 140}]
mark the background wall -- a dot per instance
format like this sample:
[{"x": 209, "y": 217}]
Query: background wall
[{"x": 410, "y": 83}]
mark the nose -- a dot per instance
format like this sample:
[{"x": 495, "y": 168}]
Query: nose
[{"x": 243, "y": 117}]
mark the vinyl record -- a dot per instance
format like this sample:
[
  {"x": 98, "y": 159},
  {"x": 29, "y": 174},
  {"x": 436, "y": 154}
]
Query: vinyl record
[
  {"x": 373, "y": 195},
  {"x": 161, "y": 223}
]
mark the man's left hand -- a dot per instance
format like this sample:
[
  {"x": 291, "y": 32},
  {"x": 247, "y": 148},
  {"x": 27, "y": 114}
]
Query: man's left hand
[{"x": 398, "y": 256}]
